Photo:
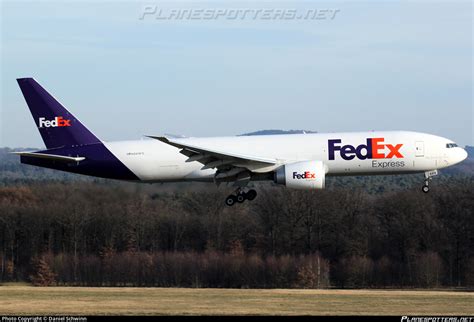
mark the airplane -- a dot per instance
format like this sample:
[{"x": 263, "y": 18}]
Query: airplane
[{"x": 299, "y": 161}]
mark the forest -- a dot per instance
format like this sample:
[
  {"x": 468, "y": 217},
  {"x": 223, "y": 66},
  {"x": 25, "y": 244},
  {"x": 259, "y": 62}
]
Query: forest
[{"x": 372, "y": 232}]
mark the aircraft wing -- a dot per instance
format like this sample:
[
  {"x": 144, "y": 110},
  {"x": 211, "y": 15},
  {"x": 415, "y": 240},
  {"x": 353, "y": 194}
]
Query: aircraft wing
[
  {"x": 55, "y": 157},
  {"x": 228, "y": 164}
]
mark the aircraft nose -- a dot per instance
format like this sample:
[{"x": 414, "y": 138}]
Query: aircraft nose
[{"x": 462, "y": 155}]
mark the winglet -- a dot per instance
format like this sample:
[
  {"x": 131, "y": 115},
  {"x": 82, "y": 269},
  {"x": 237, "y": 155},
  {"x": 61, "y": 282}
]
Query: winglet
[
  {"x": 159, "y": 138},
  {"x": 164, "y": 139}
]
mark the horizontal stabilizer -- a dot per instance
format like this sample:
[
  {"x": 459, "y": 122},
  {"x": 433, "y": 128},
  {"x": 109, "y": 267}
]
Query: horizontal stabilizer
[{"x": 56, "y": 157}]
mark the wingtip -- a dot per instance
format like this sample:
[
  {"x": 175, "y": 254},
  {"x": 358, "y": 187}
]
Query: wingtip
[{"x": 159, "y": 138}]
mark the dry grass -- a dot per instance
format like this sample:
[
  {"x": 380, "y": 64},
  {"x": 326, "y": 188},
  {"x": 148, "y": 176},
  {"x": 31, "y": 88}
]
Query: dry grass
[{"x": 27, "y": 300}]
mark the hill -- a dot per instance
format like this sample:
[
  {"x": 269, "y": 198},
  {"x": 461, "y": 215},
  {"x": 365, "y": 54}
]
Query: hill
[{"x": 470, "y": 152}]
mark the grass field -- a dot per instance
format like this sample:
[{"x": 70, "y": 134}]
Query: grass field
[{"x": 27, "y": 300}]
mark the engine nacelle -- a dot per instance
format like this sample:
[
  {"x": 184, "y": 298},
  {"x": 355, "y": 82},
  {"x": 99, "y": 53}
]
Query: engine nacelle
[{"x": 302, "y": 175}]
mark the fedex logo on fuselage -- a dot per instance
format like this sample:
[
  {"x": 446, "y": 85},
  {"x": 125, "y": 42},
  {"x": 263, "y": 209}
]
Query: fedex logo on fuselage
[
  {"x": 305, "y": 175},
  {"x": 58, "y": 121},
  {"x": 374, "y": 149}
]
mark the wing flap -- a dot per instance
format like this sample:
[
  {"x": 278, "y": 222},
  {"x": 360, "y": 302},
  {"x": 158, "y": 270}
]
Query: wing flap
[
  {"x": 220, "y": 155},
  {"x": 221, "y": 160}
]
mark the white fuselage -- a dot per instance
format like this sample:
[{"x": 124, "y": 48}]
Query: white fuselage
[{"x": 342, "y": 153}]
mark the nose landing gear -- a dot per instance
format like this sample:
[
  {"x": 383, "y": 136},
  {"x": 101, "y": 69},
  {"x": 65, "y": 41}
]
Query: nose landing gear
[
  {"x": 240, "y": 196},
  {"x": 425, "y": 187},
  {"x": 428, "y": 177}
]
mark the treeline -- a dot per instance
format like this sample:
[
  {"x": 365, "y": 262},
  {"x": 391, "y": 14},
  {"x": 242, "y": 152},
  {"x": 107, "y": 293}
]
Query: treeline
[
  {"x": 181, "y": 269},
  {"x": 98, "y": 234}
]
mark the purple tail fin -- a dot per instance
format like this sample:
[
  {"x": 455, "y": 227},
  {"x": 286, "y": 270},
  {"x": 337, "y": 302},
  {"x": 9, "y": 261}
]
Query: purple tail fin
[{"x": 57, "y": 126}]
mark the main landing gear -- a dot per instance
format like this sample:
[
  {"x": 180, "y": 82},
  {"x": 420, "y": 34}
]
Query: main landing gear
[
  {"x": 428, "y": 177},
  {"x": 240, "y": 196}
]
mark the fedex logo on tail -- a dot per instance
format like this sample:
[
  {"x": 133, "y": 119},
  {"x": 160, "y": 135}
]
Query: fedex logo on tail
[
  {"x": 374, "y": 149},
  {"x": 58, "y": 121}
]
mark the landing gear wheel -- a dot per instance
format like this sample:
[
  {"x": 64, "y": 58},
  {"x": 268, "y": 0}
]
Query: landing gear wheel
[
  {"x": 241, "y": 197},
  {"x": 251, "y": 195},
  {"x": 428, "y": 177},
  {"x": 230, "y": 200}
]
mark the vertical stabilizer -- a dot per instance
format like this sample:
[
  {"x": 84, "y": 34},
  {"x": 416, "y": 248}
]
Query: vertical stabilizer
[{"x": 57, "y": 126}]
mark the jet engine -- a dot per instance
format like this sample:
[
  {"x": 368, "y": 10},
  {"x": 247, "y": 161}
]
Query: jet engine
[{"x": 301, "y": 175}]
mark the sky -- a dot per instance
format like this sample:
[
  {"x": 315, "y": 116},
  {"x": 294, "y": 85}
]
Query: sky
[{"x": 373, "y": 65}]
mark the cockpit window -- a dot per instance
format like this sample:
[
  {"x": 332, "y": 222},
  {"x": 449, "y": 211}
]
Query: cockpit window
[{"x": 451, "y": 145}]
